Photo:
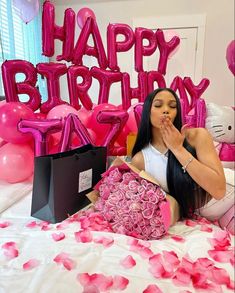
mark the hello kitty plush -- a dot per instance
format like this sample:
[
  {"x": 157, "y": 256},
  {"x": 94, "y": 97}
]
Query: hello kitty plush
[{"x": 220, "y": 123}]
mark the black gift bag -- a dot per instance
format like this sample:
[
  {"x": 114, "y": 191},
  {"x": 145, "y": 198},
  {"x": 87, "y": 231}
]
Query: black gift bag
[{"x": 61, "y": 181}]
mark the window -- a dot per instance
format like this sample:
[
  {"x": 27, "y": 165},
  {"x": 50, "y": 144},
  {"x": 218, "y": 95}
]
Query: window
[{"x": 20, "y": 41}]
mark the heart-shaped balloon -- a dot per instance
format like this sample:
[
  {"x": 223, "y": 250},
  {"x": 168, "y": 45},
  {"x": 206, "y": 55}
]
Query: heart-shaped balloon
[{"x": 26, "y": 9}]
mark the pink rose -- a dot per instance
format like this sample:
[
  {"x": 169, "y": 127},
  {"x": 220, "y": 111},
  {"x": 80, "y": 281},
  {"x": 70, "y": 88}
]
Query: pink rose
[
  {"x": 115, "y": 175},
  {"x": 133, "y": 185}
]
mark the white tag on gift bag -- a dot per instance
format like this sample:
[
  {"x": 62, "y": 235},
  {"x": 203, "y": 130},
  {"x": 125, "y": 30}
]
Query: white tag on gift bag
[{"x": 85, "y": 180}]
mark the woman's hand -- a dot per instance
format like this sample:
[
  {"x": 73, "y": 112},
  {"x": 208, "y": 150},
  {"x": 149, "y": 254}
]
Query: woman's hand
[{"x": 173, "y": 139}]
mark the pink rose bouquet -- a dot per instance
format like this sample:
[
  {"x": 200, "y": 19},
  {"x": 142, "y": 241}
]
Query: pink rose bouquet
[{"x": 131, "y": 204}]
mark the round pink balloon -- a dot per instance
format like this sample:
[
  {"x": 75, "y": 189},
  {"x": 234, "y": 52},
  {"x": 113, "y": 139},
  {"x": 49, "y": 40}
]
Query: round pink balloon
[
  {"x": 10, "y": 115},
  {"x": 230, "y": 56},
  {"x": 16, "y": 162},
  {"x": 61, "y": 111},
  {"x": 83, "y": 14},
  {"x": 26, "y": 9},
  {"x": 100, "y": 128}
]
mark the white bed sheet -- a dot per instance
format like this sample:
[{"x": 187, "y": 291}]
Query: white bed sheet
[{"x": 103, "y": 254}]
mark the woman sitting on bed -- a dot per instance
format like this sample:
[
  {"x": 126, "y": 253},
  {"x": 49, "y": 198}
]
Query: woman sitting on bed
[{"x": 183, "y": 161}]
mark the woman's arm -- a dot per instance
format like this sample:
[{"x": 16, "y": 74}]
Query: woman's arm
[
  {"x": 138, "y": 161},
  {"x": 207, "y": 169}
]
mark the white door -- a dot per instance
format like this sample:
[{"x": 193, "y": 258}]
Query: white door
[{"x": 183, "y": 62}]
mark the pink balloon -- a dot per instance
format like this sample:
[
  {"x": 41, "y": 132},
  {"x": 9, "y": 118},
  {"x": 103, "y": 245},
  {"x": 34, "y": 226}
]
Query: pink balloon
[
  {"x": 16, "y": 162},
  {"x": 140, "y": 49},
  {"x": 100, "y": 129},
  {"x": 131, "y": 122},
  {"x": 155, "y": 76},
  {"x": 82, "y": 48},
  {"x": 73, "y": 125},
  {"x": 169, "y": 35},
  {"x": 61, "y": 111},
  {"x": 138, "y": 112},
  {"x": 113, "y": 46},
  {"x": 10, "y": 115},
  {"x": 12, "y": 88},
  {"x": 165, "y": 49},
  {"x": 117, "y": 119},
  {"x": 83, "y": 14},
  {"x": 230, "y": 56},
  {"x": 52, "y": 71},
  {"x": 40, "y": 130},
  {"x": 106, "y": 78},
  {"x": 195, "y": 91},
  {"x": 40, "y": 116},
  {"x": 79, "y": 91},
  {"x": 26, "y": 9},
  {"x": 51, "y": 31},
  {"x": 85, "y": 116},
  {"x": 129, "y": 93}
]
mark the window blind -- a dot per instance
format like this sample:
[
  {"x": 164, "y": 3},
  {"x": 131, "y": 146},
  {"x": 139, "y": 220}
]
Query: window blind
[{"x": 21, "y": 41}]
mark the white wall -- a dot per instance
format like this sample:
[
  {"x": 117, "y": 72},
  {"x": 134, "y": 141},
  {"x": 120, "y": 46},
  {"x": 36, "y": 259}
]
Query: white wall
[{"x": 219, "y": 32}]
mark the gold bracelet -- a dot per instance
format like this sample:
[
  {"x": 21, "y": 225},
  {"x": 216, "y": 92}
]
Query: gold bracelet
[{"x": 184, "y": 168}]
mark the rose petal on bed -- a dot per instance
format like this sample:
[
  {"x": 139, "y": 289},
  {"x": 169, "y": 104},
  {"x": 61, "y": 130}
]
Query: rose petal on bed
[
  {"x": 220, "y": 276},
  {"x": 231, "y": 285},
  {"x": 221, "y": 256},
  {"x": 178, "y": 238},
  {"x": 128, "y": 262},
  {"x": 160, "y": 268},
  {"x": 221, "y": 240},
  {"x": 61, "y": 257},
  {"x": 200, "y": 282},
  {"x": 190, "y": 223},
  {"x": 8, "y": 245},
  {"x": 31, "y": 264},
  {"x": 62, "y": 225},
  {"x": 181, "y": 277},
  {"x": 83, "y": 236},
  {"x": 32, "y": 224},
  {"x": 4, "y": 224},
  {"x": 152, "y": 289},
  {"x": 58, "y": 237},
  {"x": 11, "y": 253},
  {"x": 145, "y": 252},
  {"x": 204, "y": 262},
  {"x": 45, "y": 226},
  {"x": 119, "y": 283},
  {"x": 83, "y": 278},
  {"x": 171, "y": 257},
  {"x": 206, "y": 228},
  {"x": 106, "y": 241},
  {"x": 69, "y": 264},
  {"x": 90, "y": 289},
  {"x": 187, "y": 264},
  {"x": 102, "y": 282}
]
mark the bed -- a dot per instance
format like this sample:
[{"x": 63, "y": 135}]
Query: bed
[{"x": 80, "y": 254}]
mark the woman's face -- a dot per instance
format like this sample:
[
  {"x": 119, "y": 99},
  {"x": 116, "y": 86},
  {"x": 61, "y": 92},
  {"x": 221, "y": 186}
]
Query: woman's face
[{"x": 163, "y": 105}]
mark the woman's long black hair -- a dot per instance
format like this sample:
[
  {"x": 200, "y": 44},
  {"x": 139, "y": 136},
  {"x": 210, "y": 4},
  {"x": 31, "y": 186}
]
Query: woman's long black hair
[{"x": 181, "y": 186}]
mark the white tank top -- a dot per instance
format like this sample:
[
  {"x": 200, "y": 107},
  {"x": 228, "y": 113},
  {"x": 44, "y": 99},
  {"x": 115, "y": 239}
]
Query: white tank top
[{"x": 155, "y": 164}]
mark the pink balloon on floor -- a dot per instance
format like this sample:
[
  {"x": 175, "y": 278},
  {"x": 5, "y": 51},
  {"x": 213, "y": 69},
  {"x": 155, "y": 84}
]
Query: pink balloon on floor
[
  {"x": 10, "y": 115},
  {"x": 16, "y": 162}
]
